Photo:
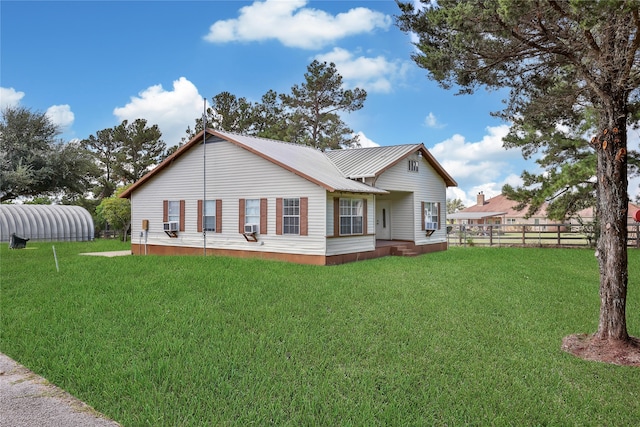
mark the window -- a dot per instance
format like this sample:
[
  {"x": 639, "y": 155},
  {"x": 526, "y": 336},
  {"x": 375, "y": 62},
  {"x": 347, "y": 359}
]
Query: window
[
  {"x": 252, "y": 211},
  {"x": 291, "y": 216},
  {"x": 209, "y": 215},
  {"x": 174, "y": 211},
  {"x": 431, "y": 219},
  {"x": 413, "y": 165},
  {"x": 511, "y": 220},
  {"x": 351, "y": 216}
]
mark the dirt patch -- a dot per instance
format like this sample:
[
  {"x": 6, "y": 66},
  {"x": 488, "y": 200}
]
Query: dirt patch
[{"x": 617, "y": 352}]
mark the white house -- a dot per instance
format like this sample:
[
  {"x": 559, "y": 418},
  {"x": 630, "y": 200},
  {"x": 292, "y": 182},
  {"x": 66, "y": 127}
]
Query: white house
[{"x": 229, "y": 194}]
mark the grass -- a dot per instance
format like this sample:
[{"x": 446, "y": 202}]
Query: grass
[{"x": 466, "y": 336}]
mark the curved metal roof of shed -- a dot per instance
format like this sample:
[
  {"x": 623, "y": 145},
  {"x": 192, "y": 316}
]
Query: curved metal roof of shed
[{"x": 46, "y": 222}]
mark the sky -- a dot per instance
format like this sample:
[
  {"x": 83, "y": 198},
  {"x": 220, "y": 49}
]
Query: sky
[{"x": 89, "y": 65}]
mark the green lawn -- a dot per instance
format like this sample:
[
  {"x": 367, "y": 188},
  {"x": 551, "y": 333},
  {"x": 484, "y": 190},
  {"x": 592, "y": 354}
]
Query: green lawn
[{"x": 466, "y": 336}]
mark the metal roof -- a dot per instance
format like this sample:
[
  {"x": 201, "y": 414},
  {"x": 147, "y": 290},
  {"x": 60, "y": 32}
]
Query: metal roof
[
  {"x": 368, "y": 162},
  {"x": 304, "y": 161},
  {"x": 358, "y": 163},
  {"x": 46, "y": 222},
  {"x": 338, "y": 170}
]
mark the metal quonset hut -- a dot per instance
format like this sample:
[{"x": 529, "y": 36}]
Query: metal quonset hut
[{"x": 46, "y": 222}]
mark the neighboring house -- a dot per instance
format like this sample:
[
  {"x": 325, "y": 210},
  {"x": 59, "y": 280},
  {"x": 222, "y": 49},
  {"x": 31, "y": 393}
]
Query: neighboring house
[
  {"x": 246, "y": 196},
  {"x": 588, "y": 215},
  {"x": 498, "y": 210}
]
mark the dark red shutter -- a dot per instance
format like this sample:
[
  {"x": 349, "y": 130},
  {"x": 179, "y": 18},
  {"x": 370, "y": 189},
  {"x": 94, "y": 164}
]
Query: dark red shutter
[
  {"x": 263, "y": 216},
  {"x": 241, "y": 216},
  {"x": 365, "y": 216},
  {"x": 304, "y": 216},
  {"x": 219, "y": 216},
  {"x": 336, "y": 216},
  {"x": 279, "y": 216},
  {"x": 182, "y": 215}
]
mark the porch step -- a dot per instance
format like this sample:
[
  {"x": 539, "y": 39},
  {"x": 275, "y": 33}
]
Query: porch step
[{"x": 402, "y": 251}]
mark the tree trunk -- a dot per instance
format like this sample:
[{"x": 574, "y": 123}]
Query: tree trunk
[{"x": 613, "y": 203}]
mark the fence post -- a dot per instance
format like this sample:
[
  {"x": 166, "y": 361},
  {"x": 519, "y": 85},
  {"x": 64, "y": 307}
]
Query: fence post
[
  {"x": 491, "y": 235},
  {"x": 559, "y": 227},
  {"x": 637, "y": 236},
  {"x": 523, "y": 234}
]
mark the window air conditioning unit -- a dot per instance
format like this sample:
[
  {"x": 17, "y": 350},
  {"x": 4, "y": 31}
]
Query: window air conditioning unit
[
  {"x": 251, "y": 228},
  {"x": 171, "y": 226},
  {"x": 431, "y": 226}
]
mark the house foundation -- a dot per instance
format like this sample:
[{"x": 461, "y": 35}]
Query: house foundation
[{"x": 384, "y": 248}]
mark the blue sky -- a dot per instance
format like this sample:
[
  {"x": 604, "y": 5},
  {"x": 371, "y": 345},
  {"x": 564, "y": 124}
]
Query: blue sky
[{"x": 92, "y": 64}]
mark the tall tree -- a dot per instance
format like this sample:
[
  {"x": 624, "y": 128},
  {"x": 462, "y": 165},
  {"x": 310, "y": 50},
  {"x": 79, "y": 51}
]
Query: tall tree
[
  {"x": 454, "y": 205},
  {"x": 75, "y": 170},
  {"x": 580, "y": 55},
  {"x": 116, "y": 211},
  {"x": 235, "y": 114},
  {"x": 269, "y": 117},
  {"x": 105, "y": 148},
  {"x": 140, "y": 148},
  {"x": 316, "y": 105},
  {"x": 34, "y": 162}
]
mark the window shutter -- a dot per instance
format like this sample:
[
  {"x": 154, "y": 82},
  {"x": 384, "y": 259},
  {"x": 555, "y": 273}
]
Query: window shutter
[
  {"x": 422, "y": 214},
  {"x": 199, "y": 216},
  {"x": 279, "y": 216},
  {"x": 336, "y": 216},
  {"x": 304, "y": 214},
  {"x": 181, "y": 215},
  {"x": 165, "y": 211},
  {"x": 241, "y": 216},
  {"x": 263, "y": 216},
  {"x": 439, "y": 217},
  {"x": 218, "y": 216},
  {"x": 364, "y": 216}
]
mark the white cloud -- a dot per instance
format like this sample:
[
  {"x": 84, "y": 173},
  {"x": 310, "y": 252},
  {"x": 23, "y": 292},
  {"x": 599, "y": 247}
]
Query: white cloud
[
  {"x": 489, "y": 148},
  {"x": 478, "y": 166},
  {"x": 432, "y": 122},
  {"x": 366, "y": 142},
  {"x": 61, "y": 116},
  {"x": 374, "y": 74},
  {"x": 172, "y": 110},
  {"x": 9, "y": 97},
  {"x": 294, "y": 25}
]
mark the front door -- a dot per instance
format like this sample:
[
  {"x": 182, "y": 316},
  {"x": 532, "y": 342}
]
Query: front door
[{"x": 383, "y": 220}]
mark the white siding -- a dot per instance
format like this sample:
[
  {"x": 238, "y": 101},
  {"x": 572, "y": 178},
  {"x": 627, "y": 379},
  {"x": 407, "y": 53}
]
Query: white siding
[
  {"x": 408, "y": 191},
  {"x": 350, "y": 244},
  {"x": 402, "y": 222},
  {"x": 232, "y": 173}
]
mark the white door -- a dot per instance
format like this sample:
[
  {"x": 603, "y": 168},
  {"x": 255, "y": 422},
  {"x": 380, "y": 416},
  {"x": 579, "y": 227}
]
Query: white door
[{"x": 383, "y": 220}]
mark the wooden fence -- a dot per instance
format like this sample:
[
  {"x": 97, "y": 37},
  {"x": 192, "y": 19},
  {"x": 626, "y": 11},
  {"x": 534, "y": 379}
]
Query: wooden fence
[{"x": 552, "y": 235}]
